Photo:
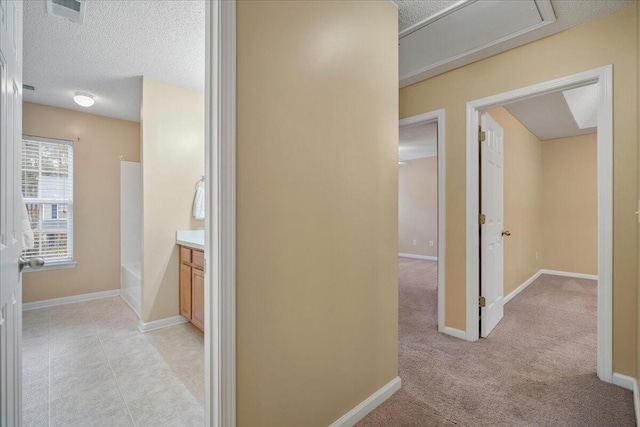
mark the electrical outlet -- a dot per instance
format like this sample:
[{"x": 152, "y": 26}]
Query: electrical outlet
[
  {"x": 431, "y": 243},
  {"x": 415, "y": 242}
]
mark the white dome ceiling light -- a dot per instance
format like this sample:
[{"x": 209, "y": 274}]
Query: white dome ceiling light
[{"x": 84, "y": 99}]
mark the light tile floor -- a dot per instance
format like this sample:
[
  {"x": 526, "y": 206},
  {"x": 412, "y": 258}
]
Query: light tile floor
[{"x": 86, "y": 364}]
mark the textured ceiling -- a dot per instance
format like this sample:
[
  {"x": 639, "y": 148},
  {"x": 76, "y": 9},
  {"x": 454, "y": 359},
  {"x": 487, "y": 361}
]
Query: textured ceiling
[
  {"x": 547, "y": 116},
  {"x": 569, "y": 13},
  {"x": 119, "y": 42},
  {"x": 122, "y": 40},
  {"x": 418, "y": 141},
  {"x": 410, "y": 12}
]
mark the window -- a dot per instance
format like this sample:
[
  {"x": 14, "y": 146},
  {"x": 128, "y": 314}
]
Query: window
[{"x": 47, "y": 187}]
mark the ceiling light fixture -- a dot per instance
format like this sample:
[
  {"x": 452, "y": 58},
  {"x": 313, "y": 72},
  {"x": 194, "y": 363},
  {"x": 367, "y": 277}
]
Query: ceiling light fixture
[{"x": 84, "y": 99}]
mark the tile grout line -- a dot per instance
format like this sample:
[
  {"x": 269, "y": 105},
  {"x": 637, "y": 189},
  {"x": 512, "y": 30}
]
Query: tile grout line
[
  {"x": 112, "y": 371},
  {"x": 174, "y": 371}
]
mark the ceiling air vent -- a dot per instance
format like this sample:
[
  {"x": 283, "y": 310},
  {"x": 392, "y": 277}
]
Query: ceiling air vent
[{"x": 73, "y": 10}]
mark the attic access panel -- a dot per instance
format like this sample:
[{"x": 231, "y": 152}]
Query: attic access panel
[{"x": 467, "y": 29}]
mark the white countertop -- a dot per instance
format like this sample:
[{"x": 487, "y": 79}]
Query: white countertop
[{"x": 193, "y": 239}]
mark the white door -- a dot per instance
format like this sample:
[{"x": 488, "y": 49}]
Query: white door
[
  {"x": 10, "y": 220},
  {"x": 491, "y": 225}
]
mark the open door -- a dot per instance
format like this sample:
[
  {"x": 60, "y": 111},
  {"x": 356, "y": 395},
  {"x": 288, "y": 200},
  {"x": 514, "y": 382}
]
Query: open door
[
  {"x": 491, "y": 224},
  {"x": 10, "y": 220}
]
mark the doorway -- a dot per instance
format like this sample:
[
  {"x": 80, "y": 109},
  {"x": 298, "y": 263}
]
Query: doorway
[
  {"x": 415, "y": 127},
  {"x": 220, "y": 225},
  {"x": 602, "y": 78}
]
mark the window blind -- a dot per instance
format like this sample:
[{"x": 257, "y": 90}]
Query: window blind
[{"x": 47, "y": 187}]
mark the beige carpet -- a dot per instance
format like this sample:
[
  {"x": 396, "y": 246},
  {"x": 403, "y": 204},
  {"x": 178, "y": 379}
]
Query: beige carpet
[{"x": 537, "y": 368}]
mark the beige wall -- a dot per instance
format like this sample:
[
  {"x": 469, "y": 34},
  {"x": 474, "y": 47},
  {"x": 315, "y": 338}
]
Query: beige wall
[
  {"x": 172, "y": 125},
  {"x": 317, "y": 208},
  {"x": 97, "y": 144},
  {"x": 522, "y": 200},
  {"x": 550, "y": 203},
  {"x": 418, "y": 207},
  {"x": 638, "y": 132},
  {"x": 611, "y": 39},
  {"x": 570, "y": 208}
]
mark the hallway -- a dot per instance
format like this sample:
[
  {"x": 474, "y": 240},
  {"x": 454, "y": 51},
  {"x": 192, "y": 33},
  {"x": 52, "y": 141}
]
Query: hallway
[{"x": 538, "y": 367}]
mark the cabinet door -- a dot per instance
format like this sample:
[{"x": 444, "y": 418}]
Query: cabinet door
[
  {"x": 185, "y": 291},
  {"x": 197, "y": 298}
]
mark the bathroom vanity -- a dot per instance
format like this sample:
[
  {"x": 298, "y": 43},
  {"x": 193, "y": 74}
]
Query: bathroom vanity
[{"x": 191, "y": 259}]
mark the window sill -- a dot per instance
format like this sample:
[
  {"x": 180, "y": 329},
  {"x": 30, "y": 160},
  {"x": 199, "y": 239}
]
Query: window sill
[{"x": 52, "y": 266}]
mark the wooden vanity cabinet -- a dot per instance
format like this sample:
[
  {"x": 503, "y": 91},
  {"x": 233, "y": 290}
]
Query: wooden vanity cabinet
[{"x": 192, "y": 285}]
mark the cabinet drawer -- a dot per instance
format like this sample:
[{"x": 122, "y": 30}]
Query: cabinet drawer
[
  {"x": 197, "y": 259},
  {"x": 185, "y": 254}
]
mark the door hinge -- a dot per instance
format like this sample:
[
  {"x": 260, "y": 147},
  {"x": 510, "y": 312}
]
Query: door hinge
[
  {"x": 482, "y": 136},
  {"x": 482, "y": 301},
  {"x": 482, "y": 219}
]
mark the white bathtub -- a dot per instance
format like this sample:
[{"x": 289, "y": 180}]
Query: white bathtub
[{"x": 131, "y": 286}]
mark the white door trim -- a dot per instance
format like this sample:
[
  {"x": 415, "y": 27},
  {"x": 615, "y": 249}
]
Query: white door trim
[
  {"x": 220, "y": 223},
  {"x": 439, "y": 117},
  {"x": 603, "y": 76}
]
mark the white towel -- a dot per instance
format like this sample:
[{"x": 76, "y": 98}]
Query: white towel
[
  {"x": 198, "y": 204},
  {"x": 27, "y": 234}
]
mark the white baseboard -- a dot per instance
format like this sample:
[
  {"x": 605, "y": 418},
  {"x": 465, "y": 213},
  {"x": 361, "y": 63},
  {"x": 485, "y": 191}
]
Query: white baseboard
[
  {"x": 429, "y": 258},
  {"x": 532, "y": 279},
  {"x": 454, "y": 332},
  {"x": 569, "y": 274},
  {"x": 372, "y": 402},
  {"x": 522, "y": 287},
  {"x": 161, "y": 323},
  {"x": 623, "y": 381},
  {"x": 636, "y": 401},
  {"x": 69, "y": 300},
  {"x": 134, "y": 309}
]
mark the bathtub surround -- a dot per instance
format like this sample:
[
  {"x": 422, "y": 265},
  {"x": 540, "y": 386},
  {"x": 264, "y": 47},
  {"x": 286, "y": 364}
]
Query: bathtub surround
[
  {"x": 172, "y": 129},
  {"x": 98, "y": 143},
  {"x": 131, "y": 234}
]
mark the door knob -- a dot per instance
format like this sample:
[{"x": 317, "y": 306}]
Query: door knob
[
  {"x": 31, "y": 262},
  {"x": 506, "y": 233}
]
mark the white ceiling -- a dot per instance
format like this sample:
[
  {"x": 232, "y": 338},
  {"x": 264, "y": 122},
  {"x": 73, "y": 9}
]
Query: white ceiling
[
  {"x": 547, "y": 116},
  {"x": 418, "y": 141},
  {"x": 119, "y": 42},
  {"x": 569, "y": 13},
  {"x": 411, "y": 12}
]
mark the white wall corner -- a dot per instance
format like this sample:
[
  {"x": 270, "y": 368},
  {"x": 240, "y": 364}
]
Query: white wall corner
[
  {"x": 629, "y": 383},
  {"x": 457, "y": 333},
  {"x": 570, "y": 274},
  {"x": 161, "y": 323},
  {"x": 369, "y": 404},
  {"x": 623, "y": 381},
  {"x": 522, "y": 287}
]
